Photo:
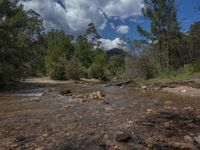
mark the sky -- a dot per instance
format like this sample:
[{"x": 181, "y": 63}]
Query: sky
[{"x": 112, "y": 18}]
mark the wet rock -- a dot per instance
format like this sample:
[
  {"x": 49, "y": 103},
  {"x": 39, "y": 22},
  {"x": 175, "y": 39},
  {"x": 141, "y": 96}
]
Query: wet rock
[
  {"x": 115, "y": 148},
  {"x": 144, "y": 87},
  {"x": 188, "y": 109},
  {"x": 183, "y": 91},
  {"x": 149, "y": 111},
  {"x": 65, "y": 92},
  {"x": 180, "y": 145},
  {"x": 40, "y": 148},
  {"x": 60, "y": 116},
  {"x": 136, "y": 139},
  {"x": 197, "y": 139},
  {"x": 197, "y": 118},
  {"x": 20, "y": 138},
  {"x": 123, "y": 137},
  {"x": 91, "y": 96},
  {"x": 166, "y": 115},
  {"x": 68, "y": 106},
  {"x": 188, "y": 139}
]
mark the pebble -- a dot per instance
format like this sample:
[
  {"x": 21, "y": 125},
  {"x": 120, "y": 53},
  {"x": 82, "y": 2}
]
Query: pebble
[
  {"x": 183, "y": 91},
  {"x": 197, "y": 139},
  {"x": 189, "y": 109}
]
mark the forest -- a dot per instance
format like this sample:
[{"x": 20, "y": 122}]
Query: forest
[{"x": 28, "y": 50}]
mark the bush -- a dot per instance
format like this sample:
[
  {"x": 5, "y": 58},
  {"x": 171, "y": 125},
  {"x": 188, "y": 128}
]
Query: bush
[
  {"x": 56, "y": 69},
  {"x": 73, "y": 70},
  {"x": 97, "y": 71},
  {"x": 116, "y": 66},
  {"x": 196, "y": 66},
  {"x": 98, "y": 68}
]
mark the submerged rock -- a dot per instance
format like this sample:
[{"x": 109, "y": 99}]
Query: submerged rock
[{"x": 123, "y": 137}]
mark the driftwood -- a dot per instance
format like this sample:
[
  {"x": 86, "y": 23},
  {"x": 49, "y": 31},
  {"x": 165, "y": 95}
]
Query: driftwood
[{"x": 121, "y": 83}]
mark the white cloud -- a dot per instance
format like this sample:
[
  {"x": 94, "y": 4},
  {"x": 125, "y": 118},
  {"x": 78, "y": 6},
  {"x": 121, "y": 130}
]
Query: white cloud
[
  {"x": 123, "y": 8},
  {"x": 108, "y": 44},
  {"x": 123, "y": 29},
  {"x": 73, "y": 16},
  {"x": 112, "y": 26}
]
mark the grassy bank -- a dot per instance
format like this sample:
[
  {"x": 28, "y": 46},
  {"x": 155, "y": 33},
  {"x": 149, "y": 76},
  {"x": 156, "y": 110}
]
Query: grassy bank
[{"x": 180, "y": 76}]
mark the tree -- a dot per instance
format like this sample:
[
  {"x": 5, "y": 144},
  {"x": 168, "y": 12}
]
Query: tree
[
  {"x": 83, "y": 52},
  {"x": 98, "y": 68},
  {"x": 59, "y": 53},
  {"x": 92, "y": 36},
  {"x": 164, "y": 28},
  {"x": 116, "y": 65},
  {"x": 19, "y": 36}
]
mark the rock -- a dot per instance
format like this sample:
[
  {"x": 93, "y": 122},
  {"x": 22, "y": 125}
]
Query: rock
[
  {"x": 69, "y": 106},
  {"x": 183, "y": 91},
  {"x": 65, "y": 92},
  {"x": 123, "y": 137},
  {"x": 188, "y": 109},
  {"x": 197, "y": 139},
  {"x": 20, "y": 138},
  {"x": 197, "y": 118},
  {"x": 166, "y": 115},
  {"x": 149, "y": 111},
  {"x": 144, "y": 87},
  {"x": 116, "y": 147},
  {"x": 188, "y": 139},
  {"x": 90, "y": 96},
  {"x": 179, "y": 145},
  {"x": 136, "y": 139},
  {"x": 40, "y": 148},
  {"x": 60, "y": 116}
]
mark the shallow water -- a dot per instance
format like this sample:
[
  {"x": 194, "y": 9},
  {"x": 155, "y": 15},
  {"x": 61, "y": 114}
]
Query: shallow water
[{"x": 39, "y": 114}]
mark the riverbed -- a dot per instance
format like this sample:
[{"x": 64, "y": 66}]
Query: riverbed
[{"x": 39, "y": 118}]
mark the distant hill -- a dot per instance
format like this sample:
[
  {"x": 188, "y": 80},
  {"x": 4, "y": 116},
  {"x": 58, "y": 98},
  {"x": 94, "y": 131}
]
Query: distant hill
[{"x": 115, "y": 51}]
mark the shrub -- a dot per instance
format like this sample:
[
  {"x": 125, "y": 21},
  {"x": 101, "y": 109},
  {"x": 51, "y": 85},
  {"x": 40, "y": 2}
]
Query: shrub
[
  {"x": 196, "y": 66},
  {"x": 98, "y": 68},
  {"x": 73, "y": 70}
]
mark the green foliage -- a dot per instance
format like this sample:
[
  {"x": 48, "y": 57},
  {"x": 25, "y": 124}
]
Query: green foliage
[
  {"x": 59, "y": 50},
  {"x": 19, "y": 38},
  {"x": 98, "y": 68},
  {"x": 196, "y": 66},
  {"x": 83, "y": 52},
  {"x": 165, "y": 30},
  {"x": 116, "y": 65},
  {"x": 73, "y": 70}
]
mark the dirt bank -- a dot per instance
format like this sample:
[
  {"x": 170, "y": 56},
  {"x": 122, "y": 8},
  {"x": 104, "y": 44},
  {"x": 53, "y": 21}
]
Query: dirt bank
[{"x": 183, "y": 90}]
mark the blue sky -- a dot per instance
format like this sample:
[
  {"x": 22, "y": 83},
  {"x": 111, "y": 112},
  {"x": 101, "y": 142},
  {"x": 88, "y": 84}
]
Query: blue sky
[
  {"x": 112, "y": 18},
  {"x": 187, "y": 14}
]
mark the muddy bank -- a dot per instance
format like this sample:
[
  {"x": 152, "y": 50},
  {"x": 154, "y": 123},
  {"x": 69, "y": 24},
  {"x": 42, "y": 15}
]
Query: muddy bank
[{"x": 48, "y": 119}]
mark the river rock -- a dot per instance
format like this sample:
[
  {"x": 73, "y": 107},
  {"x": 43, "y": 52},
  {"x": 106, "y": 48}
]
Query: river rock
[
  {"x": 183, "y": 91},
  {"x": 197, "y": 139},
  {"x": 180, "y": 145},
  {"x": 166, "y": 115},
  {"x": 20, "y": 138},
  {"x": 188, "y": 139},
  {"x": 123, "y": 137}
]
